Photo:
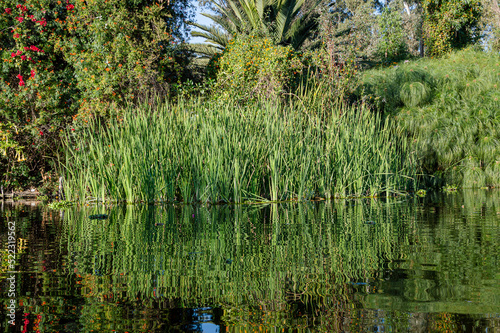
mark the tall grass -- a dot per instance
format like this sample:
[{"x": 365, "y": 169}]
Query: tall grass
[
  {"x": 453, "y": 105},
  {"x": 215, "y": 152}
]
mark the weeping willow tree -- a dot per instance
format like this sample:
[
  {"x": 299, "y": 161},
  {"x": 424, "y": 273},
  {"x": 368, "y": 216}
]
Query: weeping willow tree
[{"x": 286, "y": 22}]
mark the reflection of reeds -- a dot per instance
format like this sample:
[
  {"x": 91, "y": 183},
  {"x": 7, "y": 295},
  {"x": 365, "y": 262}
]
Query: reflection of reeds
[
  {"x": 452, "y": 105},
  {"x": 261, "y": 264},
  {"x": 202, "y": 152},
  {"x": 235, "y": 254}
]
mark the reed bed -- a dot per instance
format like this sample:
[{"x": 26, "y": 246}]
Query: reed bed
[
  {"x": 211, "y": 152},
  {"x": 452, "y": 104}
]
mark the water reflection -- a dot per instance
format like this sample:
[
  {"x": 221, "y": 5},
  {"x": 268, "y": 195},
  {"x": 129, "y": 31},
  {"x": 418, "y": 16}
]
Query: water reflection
[{"x": 420, "y": 264}]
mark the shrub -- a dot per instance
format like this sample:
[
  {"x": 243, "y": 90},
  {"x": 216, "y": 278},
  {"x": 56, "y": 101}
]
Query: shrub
[
  {"x": 123, "y": 52},
  {"x": 61, "y": 59},
  {"x": 400, "y": 86},
  {"x": 37, "y": 88},
  {"x": 252, "y": 67}
]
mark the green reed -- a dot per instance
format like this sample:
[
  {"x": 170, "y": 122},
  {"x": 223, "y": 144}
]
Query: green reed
[
  {"x": 452, "y": 105},
  {"x": 222, "y": 152}
]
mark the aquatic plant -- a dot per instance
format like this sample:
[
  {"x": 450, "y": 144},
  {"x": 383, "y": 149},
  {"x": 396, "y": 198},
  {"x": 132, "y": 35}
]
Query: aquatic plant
[
  {"x": 221, "y": 152},
  {"x": 452, "y": 105}
]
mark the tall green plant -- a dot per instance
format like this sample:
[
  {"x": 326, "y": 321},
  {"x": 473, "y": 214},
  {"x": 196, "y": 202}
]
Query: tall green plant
[
  {"x": 451, "y": 105},
  {"x": 225, "y": 152},
  {"x": 391, "y": 45}
]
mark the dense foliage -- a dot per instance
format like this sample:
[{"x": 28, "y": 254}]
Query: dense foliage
[
  {"x": 392, "y": 44},
  {"x": 223, "y": 152},
  {"x": 450, "y": 24},
  {"x": 67, "y": 64},
  {"x": 452, "y": 105},
  {"x": 66, "y": 60},
  {"x": 253, "y": 67},
  {"x": 283, "y": 22}
]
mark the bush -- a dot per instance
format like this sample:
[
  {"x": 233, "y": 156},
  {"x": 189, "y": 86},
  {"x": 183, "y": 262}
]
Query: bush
[
  {"x": 64, "y": 59},
  {"x": 399, "y": 86},
  {"x": 252, "y": 68},
  {"x": 123, "y": 52},
  {"x": 37, "y": 88}
]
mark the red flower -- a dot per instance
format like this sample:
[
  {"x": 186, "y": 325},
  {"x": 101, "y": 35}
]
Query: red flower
[
  {"x": 16, "y": 36},
  {"x": 23, "y": 57},
  {"x": 26, "y": 48},
  {"x": 12, "y": 54},
  {"x": 70, "y": 7},
  {"x": 20, "y": 19},
  {"x": 21, "y": 81},
  {"x": 41, "y": 133},
  {"x": 42, "y": 22},
  {"x": 72, "y": 129},
  {"x": 32, "y": 73},
  {"x": 19, "y": 52},
  {"x": 8, "y": 10}
]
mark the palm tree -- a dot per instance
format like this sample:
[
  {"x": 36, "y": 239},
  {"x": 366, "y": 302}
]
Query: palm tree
[{"x": 286, "y": 22}]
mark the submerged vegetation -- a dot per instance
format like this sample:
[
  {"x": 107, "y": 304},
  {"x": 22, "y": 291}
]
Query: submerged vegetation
[{"x": 213, "y": 152}]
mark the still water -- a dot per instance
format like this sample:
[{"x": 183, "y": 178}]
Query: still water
[{"x": 398, "y": 265}]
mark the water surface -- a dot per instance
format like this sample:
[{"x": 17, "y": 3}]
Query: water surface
[{"x": 400, "y": 265}]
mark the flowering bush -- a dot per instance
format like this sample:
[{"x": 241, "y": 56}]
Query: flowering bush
[
  {"x": 252, "y": 67},
  {"x": 121, "y": 53},
  {"x": 450, "y": 24},
  {"x": 68, "y": 60},
  {"x": 37, "y": 88}
]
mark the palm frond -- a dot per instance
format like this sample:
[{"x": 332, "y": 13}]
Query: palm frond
[
  {"x": 212, "y": 34},
  {"x": 205, "y": 50}
]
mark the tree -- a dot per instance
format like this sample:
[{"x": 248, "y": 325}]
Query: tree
[
  {"x": 346, "y": 28},
  {"x": 450, "y": 24},
  {"x": 491, "y": 23},
  {"x": 391, "y": 44},
  {"x": 285, "y": 22}
]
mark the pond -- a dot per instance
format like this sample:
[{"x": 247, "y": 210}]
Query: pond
[{"x": 393, "y": 265}]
